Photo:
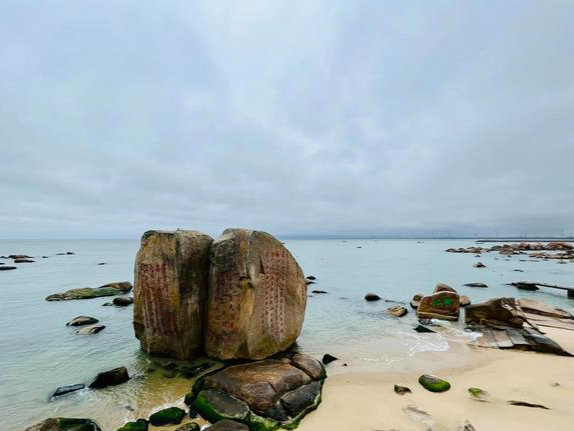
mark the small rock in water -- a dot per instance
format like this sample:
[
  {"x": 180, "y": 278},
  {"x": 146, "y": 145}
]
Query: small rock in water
[
  {"x": 434, "y": 384},
  {"x": 102, "y": 263},
  {"x": 397, "y": 311},
  {"x": 23, "y": 261},
  {"x": 518, "y": 270},
  {"x": 401, "y": 390},
  {"x": 110, "y": 378},
  {"x": 311, "y": 277},
  {"x": 525, "y": 404},
  {"x": 7, "y": 268},
  {"x": 423, "y": 329},
  {"x": 327, "y": 359},
  {"x": 82, "y": 320},
  {"x": 169, "y": 416},
  {"x": 319, "y": 291},
  {"x": 63, "y": 390},
  {"x": 138, "y": 425},
  {"x": 476, "y": 285},
  {"x": 107, "y": 304},
  {"x": 478, "y": 394},
  {"x": 228, "y": 425},
  {"x": 89, "y": 330},
  {"x": 123, "y": 302},
  {"x": 372, "y": 297},
  {"x": 18, "y": 256},
  {"x": 479, "y": 265}
]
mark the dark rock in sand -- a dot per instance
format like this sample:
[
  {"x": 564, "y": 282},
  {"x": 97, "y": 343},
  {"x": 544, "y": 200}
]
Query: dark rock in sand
[
  {"x": 228, "y": 425},
  {"x": 82, "y": 320},
  {"x": 89, "y": 330},
  {"x": 65, "y": 424},
  {"x": 191, "y": 426},
  {"x": 319, "y": 291},
  {"x": 327, "y": 359},
  {"x": 482, "y": 285},
  {"x": 423, "y": 329},
  {"x": 442, "y": 305},
  {"x": 441, "y": 287},
  {"x": 63, "y": 390},
  {"x": 434, "y": 384},
  {"x": 23, "y": 261},
  {"x": 123, "y": 301},
  {"x": 397, "y": 311},
  {"x": 525, "y": 404},
  {"x": 169, "y": 416},
  {"x": 139, "y": 425},
  {"x": 110, "y": 378},
  {"x": 479, "y": 265},
  {"x": 372, "y": 297},
  {"x": 467, "y": 426},
  {"x": 7, "y": 268},
  {"x": 401, "y": 390}
]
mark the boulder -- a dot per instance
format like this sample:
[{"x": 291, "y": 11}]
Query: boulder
[
  {"x": 397, "y": 311},
  {"x": 495, "y": 311},
  {"x": 110, "y": 378},
  {"x": 82, "y": 320},
  {"x": 89, "y": 330},
  {"x": 138, "y": 425},
  {"x": 65, "y": 424},
  {"x": 372, "y": 297},
  {"x": 264, "y": 395},
  {"x": 169, "y": 416},
  {"x": 257, "y": 297},
  {"x": 228, "y": 425},
  {"x": 123, "y": 301},
  {"x": 441, "y": 287},
  {"x": 171, "y": 278},
  {"x": 84, "y": 293},
  {"x": 63, "y": 390},
  {"x": 442, "y": 305},
  {"x": 434, "y": 384}
]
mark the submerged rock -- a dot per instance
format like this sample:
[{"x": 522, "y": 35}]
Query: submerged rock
[
  {"x": 256, "y": 299},
  {"x": 138, "y": 425},
  {"x": 372, "y": 297},
  {"x": 82, "y": 320},
  {"x": 89, "y": 330},
  {"x": 63, "y": 390},
  {"x": 228, "y": 425},
  {"x": 65, "y": 424},
  {"x": 434, "y": 384},
  {"x": 442, "y": 305},
  {"x": 110, "y": 378},
  {"x": 264, "y": 394},
  {"x": 171, "y": 279},
  {"x": 169, "y": 416},
  {"x": 397, "y": 311}
]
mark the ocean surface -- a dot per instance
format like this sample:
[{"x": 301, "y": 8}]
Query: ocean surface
[{"x": 39, "y": 353}]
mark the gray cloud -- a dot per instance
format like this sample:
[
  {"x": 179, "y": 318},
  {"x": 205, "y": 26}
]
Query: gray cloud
[{"x": 301, "y": 118}]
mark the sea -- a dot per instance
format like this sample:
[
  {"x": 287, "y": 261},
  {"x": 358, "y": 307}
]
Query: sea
[{"x": 39, "y": 353}]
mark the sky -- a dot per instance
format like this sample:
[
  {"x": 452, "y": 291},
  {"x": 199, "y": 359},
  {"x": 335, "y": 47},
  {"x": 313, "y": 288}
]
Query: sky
[{"x": 300, "y": 118}]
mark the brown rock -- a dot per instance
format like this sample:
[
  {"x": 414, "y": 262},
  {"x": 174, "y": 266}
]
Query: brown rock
[
  {"x": 415, "y": 302},
  {"x": 397, "y": 311},
  {"x": 257, "y": 297},
  {"x": 464, "y": 300},
  {"x": 442, "y": 305},
  {"x": 441, "y": 287},
  {"x": 171, "y": 278},
  {"x": 495, "y": 311}
]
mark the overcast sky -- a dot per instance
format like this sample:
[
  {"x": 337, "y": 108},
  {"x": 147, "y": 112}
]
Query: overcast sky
[{"x": 296, "y": 117}]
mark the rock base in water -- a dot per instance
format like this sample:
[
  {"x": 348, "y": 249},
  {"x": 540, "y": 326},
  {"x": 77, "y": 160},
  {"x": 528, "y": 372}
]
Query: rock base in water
[{"x": 110, "y": 378}]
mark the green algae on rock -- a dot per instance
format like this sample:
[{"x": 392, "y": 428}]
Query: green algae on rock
[
  {"x": 66, "y": 424},
  {"x": 169, "y": 416},
  {"x": 139, "y": 425},
  {"x": 478, "y": 394},
  {"x": 434, "y": 384}
]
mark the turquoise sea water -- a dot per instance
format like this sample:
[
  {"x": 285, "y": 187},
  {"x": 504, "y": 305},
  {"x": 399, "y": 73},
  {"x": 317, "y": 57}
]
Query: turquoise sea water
[{"x": 38, "y": 353}]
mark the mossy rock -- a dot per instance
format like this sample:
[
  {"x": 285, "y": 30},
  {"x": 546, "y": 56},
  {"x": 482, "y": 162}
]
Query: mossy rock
[
  {"x": 66, "y": 424},
  {"x": 434, "y": 384},
  {"x": 215, "y": 405},
  {"x": 139, "y": 425},
  {"x": 478, "y": 394},
  {"x": 191, "y": 426},
  {"x": 169, "y": 416}
]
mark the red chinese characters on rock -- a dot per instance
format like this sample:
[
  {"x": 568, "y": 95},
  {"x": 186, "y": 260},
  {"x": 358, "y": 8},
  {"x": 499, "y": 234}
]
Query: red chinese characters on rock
[
  {"x": 157, "y": 299},
  {"x": 271, "y": 289}
]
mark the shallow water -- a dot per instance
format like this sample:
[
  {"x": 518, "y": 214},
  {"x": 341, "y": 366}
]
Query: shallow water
[{"x": 38, "y": 352}]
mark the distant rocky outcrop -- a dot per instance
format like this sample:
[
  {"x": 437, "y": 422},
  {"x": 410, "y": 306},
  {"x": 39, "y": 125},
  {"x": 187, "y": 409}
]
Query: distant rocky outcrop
[{"x": 110, "y": 289}]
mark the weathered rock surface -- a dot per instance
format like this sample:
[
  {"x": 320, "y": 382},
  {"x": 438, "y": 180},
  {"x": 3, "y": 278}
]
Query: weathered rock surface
[
  {"x": 111, "y": 289},
  {"x": 169, "y": 416},
  {"x": 257, "y": 297},
  {"x": 434, "y": 384},
  {"x": 171, "y": 279},
  {"x": 495, "y": 311},
  {"x": 89, "y": 330},
  {"x": 397, "y": 311},
  {"x": 264, "y": 394},
  {"x": 63, "y": 390},
  {"x": 65, "y": 424},
  {"x": 372, "y": 297},
  {"x": 442, "y": 305},
  {"x": 228, "y": 425},
  {"x": 110, "y": 378},
  {"x": 82, "y": 320}
]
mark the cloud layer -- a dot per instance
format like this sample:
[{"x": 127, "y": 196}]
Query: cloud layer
[{"x": 300, "y": 118}]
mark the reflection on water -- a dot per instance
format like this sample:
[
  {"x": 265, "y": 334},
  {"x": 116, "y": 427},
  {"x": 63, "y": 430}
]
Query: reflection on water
[{"x": 38, "y": 352}]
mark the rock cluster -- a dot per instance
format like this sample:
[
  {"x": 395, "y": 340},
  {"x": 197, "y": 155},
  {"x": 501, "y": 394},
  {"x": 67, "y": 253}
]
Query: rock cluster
[
  {"x": 560, "y": 250},
  {"x": 242, "y": 296}
]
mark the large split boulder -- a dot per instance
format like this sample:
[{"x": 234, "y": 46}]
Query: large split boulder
[
  {"x": 257, "y": 297},
  {"x": 264, "y": 394},
  {"x": 440, "y": 305},
  {"x": 171, "y": 279}
]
